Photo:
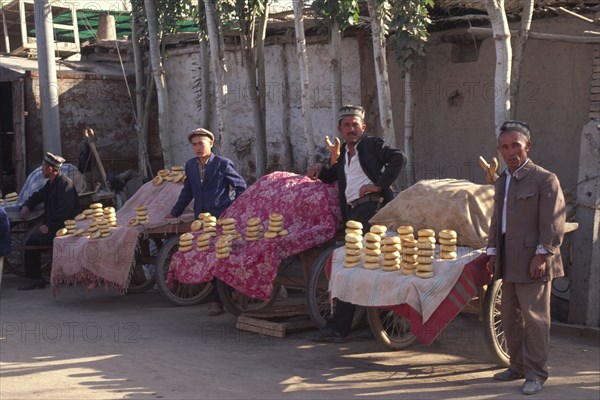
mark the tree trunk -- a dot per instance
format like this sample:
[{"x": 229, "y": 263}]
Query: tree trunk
[
  {"x": 381, "y": 73},
  {"x": 288, "y": 151},
  {"x": 495, "y": 9},
  {"x": 204, "y": 84},
  {"x": 409, "y": 108},
  {"x": 161, "y": 84},
  {"x": 518, "y": 54},
  {"x": 261, "y": 132},
  {"x": 142, "y": 136},
  {"x": 219, "y": 67},
  {"x": 335, "y": 69},
  {"x": 304, "y": 80}
]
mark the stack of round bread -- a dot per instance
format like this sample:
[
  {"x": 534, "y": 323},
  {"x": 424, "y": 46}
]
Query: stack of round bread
[
  {"x": 391, "y": 253},
  {"x": 160, "y": 177},
  {"x": 89, "y": 213},
  {"x": 80, "y": 217},
  {"x": 372, "y": 250},
  {"x": 185, "y": 242},
  {"x": 97, "y": 211},
  {"x": 379, "y": 230},
  {"x": 176, "y": 174},
  {"x": 93, "y": 230},
  {"x": 405, "y": 232},
  {"x": 209, "y": 224},
  {"x": 141, "y": 214},
  {"x": 448, "y": 240},
  {"x": 228, "y": 226},
  {"x": 426, "y": 253},
  {"x": 110, "y": 215},
  {"x": 354, "y": 244},
  {"x": 103, "y": 227},
  {"x": 275, "y": 227},
  {"x": 196, "y": 225},
  {"x": 223, "y": 246},
  {"x": 11, "y": 198},
  {"x": 409, "y": 256},
  {"x": 203, "y": 242},
  {"x": 71, "y": 226},
  {"x": 253, "y": 229}
]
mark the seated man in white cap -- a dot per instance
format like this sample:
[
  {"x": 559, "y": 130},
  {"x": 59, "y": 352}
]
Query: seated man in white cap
[{"x": 61, "y": 202}]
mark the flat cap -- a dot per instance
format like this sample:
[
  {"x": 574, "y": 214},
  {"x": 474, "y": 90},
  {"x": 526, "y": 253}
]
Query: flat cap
[
  {"x": 350, "y": 110},
  {"x": 201, "y": 132},
  {"x": 54, "y": 160}
]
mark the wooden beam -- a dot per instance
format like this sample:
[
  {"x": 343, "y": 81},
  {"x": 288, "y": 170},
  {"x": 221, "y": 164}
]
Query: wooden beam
[
  {"x": 574, "y": 14},
  {"x": 487, "y": 33}
]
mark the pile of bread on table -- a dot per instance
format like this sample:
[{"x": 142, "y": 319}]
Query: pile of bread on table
[
  {"x": 10, "y": 199},
  {"x": 402, "y": 252},
  {"x": 225, "y": 230},
  {"x": 175, "y": 174}
]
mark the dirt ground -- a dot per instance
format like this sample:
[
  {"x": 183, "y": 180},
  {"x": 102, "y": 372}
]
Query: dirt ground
[{"x": 107, "y": 346}]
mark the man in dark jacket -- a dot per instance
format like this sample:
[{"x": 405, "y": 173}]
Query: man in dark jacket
[
  {"x": 61, "y": 203},
  {"x": 365, "y": 170},
  {"x": 209, "y": 180}
]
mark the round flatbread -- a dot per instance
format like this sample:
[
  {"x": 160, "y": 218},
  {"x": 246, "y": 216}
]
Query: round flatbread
[
  {"x": 448, "y": 241},
  {"x": 378, "y": 229},
  {"x": 409, "y": 250},
  {"x": 426, "y": 246},
  {"x": 407, "y": 271},
  {"x": 425, "y": 259},
  {"x": 353, "y": 239},
  {"x": 186, "y": 236},
  {"x": 372, "y": 252},
  {"x": 351, "y": 264},
  {"x": 411, "y": 258},
  {"x": 271, "y": 235},
  {"x": 447, "y": 234},
  {"x": 354, "y": 246},
  {"x": 183, "y": 249},
  {"x": 354, "y": 225},
  {"x": 373, "y": 245},
  {"x": 62, "y": 232},
  {"x": 352, "y": 231},
  {"x": 371, "y": 258},
  {"x": 426, "y": 232},
  {"x": 254, "y": 221},
  {"x": 448, "y": 255},
  {"x": 448, "y": 247},
  {"x": 372, "y": 237},
  {"x": 196, "y": 225},
  {"x": 408, "y": 265},
  {"x": 283, "y": 232},
  {"x": 405, "y": 230},
  {"x": 424, "y": 275},
  {"x": 80, "y": 217},
  {"x": 391, "y": 247},
  {"x": 391, "y": 262},
  {"x": 157, "y": 180},
  {"x": 185, "y": 243},
  {"x": 426, "y": 252},
  {"x": 391, "y": 240},
  {"x": 426, "y": 239},
  {"x": 275, "y": 217},
  {"x": 424, "y": 267},
  {"x": 352, "y": 252},
  {"x": 391, "y": 256},
  {"x": 95, "y": 206}
]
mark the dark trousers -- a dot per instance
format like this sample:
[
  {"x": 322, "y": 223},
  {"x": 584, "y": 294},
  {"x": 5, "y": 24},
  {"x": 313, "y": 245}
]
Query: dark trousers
[
  {"x": 214, "y": 293},
  {"x": 343, "y": 314},
  {"x": 32, "y": 257}
]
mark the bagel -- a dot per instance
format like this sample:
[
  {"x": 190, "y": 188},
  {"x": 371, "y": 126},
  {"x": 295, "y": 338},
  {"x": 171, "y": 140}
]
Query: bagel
[
  {"x": 411, "y": 258},
  {"x": 275, "y": 229},
  {"x": 275, "y": 217},
  {"x": 395, "y": 255},
  {"x": 449, "y": 255},
  {"x": 132, "y": 222},
  {"x": 448, "y": 247},
  {"x": 196, "y": 225},
  {"x": 204, "y": 215},
  {"x": 223, "y": 255},
  {"x": 88, "y": 211},
  {"x": 426, "y": 252},
  {"x": 379, "y": 229},
  {"x": 96, "y": 235},
  {"x": 426, "y": 232},
  {"x": 409, "y": 243},
  {"x": 372, "y": 237},
  {"x": 350, "y": 231},
  {"x": 209, "y": 218},
  {"x": 271, "y": 235},
  {"x": 407, "y": 271},
  {"x": 354, "y": 246},
  {"x": 408, "y": 237},
  {"x": 424, "y": 275},
  {"x": 185, "y": 243},
  {"x": 372, "y": 252},
  {"x": 426, "y": 239},
  {"x": 447, "y": 234},
  {"x": 163, "y": 172},
  {"x": 80, "y": 217},
  {"x": 391, "y": 247},
  {"x": 352, "y": 252},
  {"x": 202, "y": 248},
  {"x": 351, "y": 265},
  {"x": 283, "y": 232},
  {"x": 141, "y": 207},
  {"x": 61, "y": 232},
  {"x": 354, "y": 224},
  {"x": 186, "y": 236},
  {"x": 405, "y": 230},
  {"x": 409, "y": 250},
  {"x": 254, "y": 221},
  {"x": 371, "y": 258},
  {"x": 177, "y": 168},
  {"x": 353, "y": 239},
  {"x": 209, "y": 229},
  {"x": 104, "y": 234},
  {"x": 372, "y": 245},
  {"x": 408, "y": 265},
  {"x": 92, "y": 229},
  {"x": 391, "y": 240},
  {"x": 424, "y": 267},
  {"x": 252, "y": 238},
  {"x": 157, "y": 180},
  {"x": 426, "y": 246},
  {"x": 391, "y": 262},
  {"x": 184, "y": 249},
  {"x": 70, "y": 222},
  {"x": 391, "y": 268},
  {"x": 425, "y": 259},
  {"x": 371, "y": 265},
  {"x": 228, "y": 221},
  {"x": 351, "y": 259},
  {"x": 448, "y": 241},
  {"x": 95, "y": 206}
]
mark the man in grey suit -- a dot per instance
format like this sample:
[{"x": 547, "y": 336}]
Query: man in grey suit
[{"x": 526, "y": 232}]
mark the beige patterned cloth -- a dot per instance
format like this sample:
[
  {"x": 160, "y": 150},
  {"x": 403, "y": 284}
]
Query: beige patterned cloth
[
  {"x": 374, "y": 288},
  {"x": 443, "y": 204},
  {"x": 108, "y": 261}
]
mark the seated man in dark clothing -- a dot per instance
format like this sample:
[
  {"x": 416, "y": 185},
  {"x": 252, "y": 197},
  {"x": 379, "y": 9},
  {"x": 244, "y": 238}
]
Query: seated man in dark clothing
[{"x": 61, "y": 202}]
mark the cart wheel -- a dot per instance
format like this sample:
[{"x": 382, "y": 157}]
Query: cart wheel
[
  {"x": 492, "y": 323},
  {"x": 142, "y": 276},
  {"x": 237, "y": 303},
  {"x": 13, "y": 262},
  {"x": 390, "y": 329},
  {"x": 317, "y": 292},
  {"x": 45, "y": 256},
  {"x": 178, "y": 293}
]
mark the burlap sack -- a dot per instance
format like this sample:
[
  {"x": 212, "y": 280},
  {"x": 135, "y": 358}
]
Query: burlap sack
[{"x": 443, "y": 204}]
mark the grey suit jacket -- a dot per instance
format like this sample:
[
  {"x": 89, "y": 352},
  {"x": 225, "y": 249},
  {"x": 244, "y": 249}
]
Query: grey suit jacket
[{"x": 535, "y": 215}]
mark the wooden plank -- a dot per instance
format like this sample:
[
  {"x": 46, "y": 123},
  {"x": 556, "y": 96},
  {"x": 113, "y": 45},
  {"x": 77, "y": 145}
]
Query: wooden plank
[
  {"x": 280, "y": 311},
  {"x": 270, "y": 328}
]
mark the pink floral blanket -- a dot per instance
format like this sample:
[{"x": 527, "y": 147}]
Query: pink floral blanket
[{"x": 311, "y": 214}]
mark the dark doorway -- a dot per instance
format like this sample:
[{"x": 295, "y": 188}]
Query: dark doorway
[{"x": 7, "y": 178}]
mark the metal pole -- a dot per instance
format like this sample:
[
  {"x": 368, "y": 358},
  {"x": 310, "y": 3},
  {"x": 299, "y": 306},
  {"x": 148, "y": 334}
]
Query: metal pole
[{"x": 51, "y": 138}]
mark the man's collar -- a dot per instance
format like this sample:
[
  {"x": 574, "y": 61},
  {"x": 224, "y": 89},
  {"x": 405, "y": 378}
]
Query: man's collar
[
  {"x": 210, "y": 158},
  {"x": 521, "y": 171}
]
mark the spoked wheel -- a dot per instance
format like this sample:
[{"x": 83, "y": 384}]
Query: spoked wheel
[
  {"x": 493, "y": 330},
  {"x": 391, "y": 330},
  {"x": 237, "y": 303},
  {"x": 142, "y": 275},
  {"x": 45, "y": 256},
  {"x": 317, "y": 292},
  {"x": 178, "y": 293}
]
